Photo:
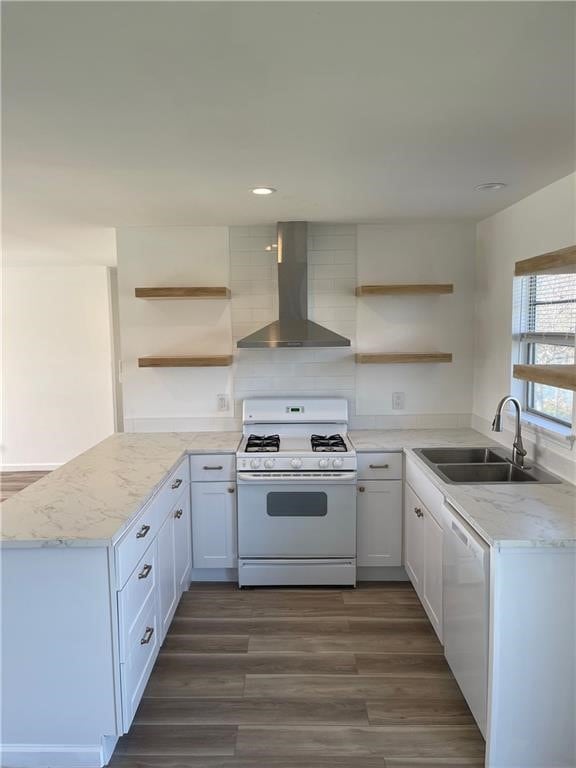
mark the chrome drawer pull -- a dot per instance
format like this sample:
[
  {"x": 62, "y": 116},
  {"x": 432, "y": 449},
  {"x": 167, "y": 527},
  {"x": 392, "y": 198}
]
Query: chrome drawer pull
[
  {"x": 208, "y": 468},
  {"x": 361, "y": 488},
  {"x": 418, "y": 512},
  {"x": 230, "y": 490},
  {"x": 144, "y": 573},
  {"x": 147, "y": 636},
  {"x": 379, "y": 466},
  {"x": 143, "y": 531},
  {"x": 176, "y": 484},
  {"x": 178, "y": 514}
]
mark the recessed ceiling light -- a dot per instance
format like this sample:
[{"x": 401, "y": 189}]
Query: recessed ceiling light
[
  {"x": 263, "y": 190},
  {"x": 491, "y": 186}
]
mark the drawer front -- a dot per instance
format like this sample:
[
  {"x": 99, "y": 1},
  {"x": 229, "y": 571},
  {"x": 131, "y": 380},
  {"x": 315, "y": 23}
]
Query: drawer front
[
  {"x": 142, "y": 648},
  {"x": 130, "y": 549},
  {"x": 425, "y": 489},
  {"x": 131, "y": 600},
  {"x": 214, "y": 467},
  {"x": 380, "y": 466}
]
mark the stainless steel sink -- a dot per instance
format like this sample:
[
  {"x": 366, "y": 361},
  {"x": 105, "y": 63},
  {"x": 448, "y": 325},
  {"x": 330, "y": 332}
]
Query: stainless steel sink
[
  {"x": 480, "y": 465},
  {"x": 461, "y": 455},
  {"x": 486, "y": 473}
]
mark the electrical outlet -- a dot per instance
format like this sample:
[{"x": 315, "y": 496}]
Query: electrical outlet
[
  {"x": 222, "y": 402},
  {"x": 397, "y": 401}
]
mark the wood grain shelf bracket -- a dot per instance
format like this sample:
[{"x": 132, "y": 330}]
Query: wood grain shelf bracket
[
  {"x": 186, "y": 361},
  {"x": 410, "y": 357},
  {"x": 562, "y": 261},
  {"x": 404, "y": 289},
  {"x": 182, "y": 292},
  {"x": 561, "y": 376}
]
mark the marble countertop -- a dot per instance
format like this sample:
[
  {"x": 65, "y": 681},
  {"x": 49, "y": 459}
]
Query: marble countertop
[{"x": 90, "y": 500}]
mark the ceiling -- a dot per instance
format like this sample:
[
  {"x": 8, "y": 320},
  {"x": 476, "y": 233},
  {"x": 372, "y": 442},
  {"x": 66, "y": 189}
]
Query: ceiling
[{"x": 168, "y": 113}]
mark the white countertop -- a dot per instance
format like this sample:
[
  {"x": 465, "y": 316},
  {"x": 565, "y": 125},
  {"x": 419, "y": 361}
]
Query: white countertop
[{"x": 90, "y": 500}]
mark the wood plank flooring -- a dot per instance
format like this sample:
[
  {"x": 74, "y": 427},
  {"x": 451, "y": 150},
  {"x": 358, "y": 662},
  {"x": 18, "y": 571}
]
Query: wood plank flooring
[
  {"x": 301, "y": 678},
  {"x": 12, "y": 482}
]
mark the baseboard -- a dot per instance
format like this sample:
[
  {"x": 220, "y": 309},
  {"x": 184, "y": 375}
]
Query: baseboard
[
  {"x": 28, "y": 468},
  {"x": 214, "y": 574},
  {"x": 48, "y": 755}
]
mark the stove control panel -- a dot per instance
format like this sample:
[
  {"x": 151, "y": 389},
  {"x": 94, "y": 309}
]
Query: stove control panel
[{"x": 283, "y": 463}]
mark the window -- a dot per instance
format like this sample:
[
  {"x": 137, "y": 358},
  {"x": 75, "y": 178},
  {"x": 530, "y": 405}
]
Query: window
[{"x": 547, "y": 324}]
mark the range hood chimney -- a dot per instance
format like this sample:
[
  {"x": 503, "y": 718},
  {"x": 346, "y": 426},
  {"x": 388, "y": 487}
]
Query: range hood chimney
[{"x": 292, "y": 329}]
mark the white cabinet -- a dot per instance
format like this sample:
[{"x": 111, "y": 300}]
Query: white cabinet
[
  {"x": 379, "y": 533},
  {"x": 413, "y": 538},
  {"x": 166, "y": 579},
  {"x": 214, "y": 537},
  {"x": 432, "y": 584},
  {"x": 182, "y": 544},
  {"x": 423, "y": 556}
]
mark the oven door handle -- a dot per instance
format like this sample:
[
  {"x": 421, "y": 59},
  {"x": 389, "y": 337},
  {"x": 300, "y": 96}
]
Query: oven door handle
[{"x": 321, "y": 478}]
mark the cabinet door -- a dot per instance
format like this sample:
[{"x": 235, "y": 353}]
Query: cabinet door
[
  {"x": 379, "y": 522},
  {"x": 432, "y": 583},
  {"x": 182, "y": 544},
  {"x": 413, "y": 538},
  {"x": 214, "y": 525},
  {"x": 166, "y": 578}
]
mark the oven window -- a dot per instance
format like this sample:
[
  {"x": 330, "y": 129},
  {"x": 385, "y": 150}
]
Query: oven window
[{"x": 296, "y": 504}]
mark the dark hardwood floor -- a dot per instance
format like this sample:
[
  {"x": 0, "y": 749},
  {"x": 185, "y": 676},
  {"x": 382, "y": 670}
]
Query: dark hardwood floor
[
  {"x": 301, "y": 678},
  {"x": 12, "y": 482}
]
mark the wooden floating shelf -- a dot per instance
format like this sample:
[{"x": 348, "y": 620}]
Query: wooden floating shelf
[
  {"x": 411, "y": 357},
  {"x": 404, "y": 289},
  {"x": 562, "y": 261},
  {"x": 562, "y": 376},
  {"x": 182, "y": 293},
  {"x": 186, "y": 361}
]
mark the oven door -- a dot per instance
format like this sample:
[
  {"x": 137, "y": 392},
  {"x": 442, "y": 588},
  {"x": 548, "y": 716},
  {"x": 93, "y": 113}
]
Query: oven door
[{"x": 305, "y": 517}]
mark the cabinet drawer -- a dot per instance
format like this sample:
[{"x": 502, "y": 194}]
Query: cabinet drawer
[
  {"x": 214, "y": 467},
  {"x": 380, "y": 466},
  {"x": 131, "y": 547},
  {"x": 131, "y": 600},
  {"x": 425, "y": 489},
  {"x": 143, "y": 643}
]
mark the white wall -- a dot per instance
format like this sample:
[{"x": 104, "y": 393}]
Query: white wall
[
  {"x": 417, "y": 252},
  {"x": 57, "y": 387},
  {"x": 172, "y": 398},
  {"x": 541, "y": 222}
]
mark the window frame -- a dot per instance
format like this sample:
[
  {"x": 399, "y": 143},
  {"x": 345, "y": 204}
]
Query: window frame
[{"x": 527, "y": 339}]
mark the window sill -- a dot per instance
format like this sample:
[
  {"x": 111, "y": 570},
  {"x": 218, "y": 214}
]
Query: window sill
[{"x": 548, "y": 429}]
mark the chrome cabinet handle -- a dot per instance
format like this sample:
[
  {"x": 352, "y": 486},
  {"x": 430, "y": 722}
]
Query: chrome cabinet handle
[
  {"x": 176, "y": 484},
  {"x": 147, "y": 636},
  {"x": 361, "y": 488},
  {"x": 418, "y": 512},
  {"x": 145, "y": 571},
  {"x": 379, "y": 466},
  {"x": 178, "y": 514},
  {"x": 230, "y": 490},
  {"x": 143, "y": 531},
  {"x": 208, "y": 468}
]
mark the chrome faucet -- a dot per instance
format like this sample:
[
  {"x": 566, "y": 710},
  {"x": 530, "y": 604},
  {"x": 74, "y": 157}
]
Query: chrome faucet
[{"x": 518, "y": 451}]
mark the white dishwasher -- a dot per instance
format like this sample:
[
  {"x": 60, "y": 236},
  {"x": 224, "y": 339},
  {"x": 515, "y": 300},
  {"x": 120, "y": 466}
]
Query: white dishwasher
[{"x": 466, "y": 603}]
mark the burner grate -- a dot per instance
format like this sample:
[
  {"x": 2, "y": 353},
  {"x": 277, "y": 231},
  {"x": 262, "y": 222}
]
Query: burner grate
[
  {"x": 328, "y": 444},
  {"x": 263, "y": 444}
]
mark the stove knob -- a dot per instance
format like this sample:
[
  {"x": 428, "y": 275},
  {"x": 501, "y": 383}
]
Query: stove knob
[
  {"x": 337, "y": 463},
  {"x": 323, "y": 463},
  {"x": 296, "y": 463},
  {"x": 255, "y": 463},
  {"x": 269, "y": 463}
]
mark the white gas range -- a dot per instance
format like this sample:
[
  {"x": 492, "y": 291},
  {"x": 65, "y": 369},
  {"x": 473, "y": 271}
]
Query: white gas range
[{"x": 296, "y": 473}]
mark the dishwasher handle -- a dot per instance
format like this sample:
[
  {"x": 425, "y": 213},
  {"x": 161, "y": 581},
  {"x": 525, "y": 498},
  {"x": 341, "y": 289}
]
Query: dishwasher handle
[{"x": 467, "y": 536}]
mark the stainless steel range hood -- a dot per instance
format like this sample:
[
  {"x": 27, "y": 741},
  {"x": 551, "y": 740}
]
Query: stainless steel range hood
[{"x": 292, "y": 329}]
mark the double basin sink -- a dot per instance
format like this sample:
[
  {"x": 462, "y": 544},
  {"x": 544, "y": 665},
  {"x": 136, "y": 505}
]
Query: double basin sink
[{"x": 480, "y": 465}]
